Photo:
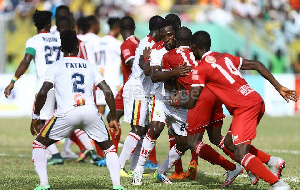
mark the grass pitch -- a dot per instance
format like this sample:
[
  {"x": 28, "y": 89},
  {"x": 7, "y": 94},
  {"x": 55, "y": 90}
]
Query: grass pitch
[{"x": 276, "y": 136}]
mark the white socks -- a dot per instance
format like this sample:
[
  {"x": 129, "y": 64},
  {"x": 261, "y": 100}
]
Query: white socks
[
  {"x": 113, "y": 165},
  {"x": 147, "y": 147},
  {"x": 136, "y": 154},
  {"x": 84, "y": 138},
  {"x": 53, "y": 149},
  {"x": 130, "y": 144},
  {"x": 40, "y": 162},
  {"x": 173, "y": 157},
  {"x": 67, "y": 145}
]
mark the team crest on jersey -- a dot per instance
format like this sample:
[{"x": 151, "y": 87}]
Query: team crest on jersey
[
  {"x": 157, "y": 113},
  {"x": 80, "y": 101},
  {"x": 210, "y": 59}
]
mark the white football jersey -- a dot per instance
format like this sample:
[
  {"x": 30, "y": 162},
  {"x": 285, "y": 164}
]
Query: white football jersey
[
  {"x": 53, "y": 30},
  {"x": 92, "y": 43},
  {"x": 47, "y": 51},
  {"x": 156, "y": 57},
  {"x": 110, "y": 60},
  {"x": 137, "y": 76},
  {"x": 72, "y": 77}
]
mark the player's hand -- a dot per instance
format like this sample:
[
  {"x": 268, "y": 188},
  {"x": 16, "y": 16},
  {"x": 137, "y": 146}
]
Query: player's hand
[
  {"x": 8, "y": 89},
  {"x": 182, "y": 70},
  {"x": 288, "y": 94},
  {"x": 146, "y": 53},
  {"x": 35, "y": 127},
  {"x": 173, "y": 99},
  {"x": 113, "y": 125}
]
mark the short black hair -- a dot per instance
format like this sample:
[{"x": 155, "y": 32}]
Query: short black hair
[
  {"x": 127, "y": 22},
  {"x": 62, "y": 10},
  {"x": 64, "y": 22},
  {"x": 81, "y": 24},
  {"x": 155, "y": 22},
  {"x": 174, "y": 19},
  {"x": 113, "y": 22},
  {"x": 69, "y": 41},
  {"x": 90, "y": 20},
  {"x": 201, "y": 40},
  {"x": 166, "y": 23},
  {"x": 183, "y": 34},
  {"x": 41, "y": 18}
]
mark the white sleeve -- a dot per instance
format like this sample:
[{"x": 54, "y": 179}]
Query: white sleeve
[
  {"x": 98, "y": 77},
  {"x": 155, "y": 58},
  {"x": 50, "y": 74},
  {"x": 30, "y": 43}
]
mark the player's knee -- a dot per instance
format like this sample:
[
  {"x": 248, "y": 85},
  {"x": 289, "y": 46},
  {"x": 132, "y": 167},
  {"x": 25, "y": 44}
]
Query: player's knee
[
  {"x": 240, "y": 151},
  {"x": 139, "y": 130},
  {"x": 214, "y": 141},
  {"x": 156, "y": 131}
]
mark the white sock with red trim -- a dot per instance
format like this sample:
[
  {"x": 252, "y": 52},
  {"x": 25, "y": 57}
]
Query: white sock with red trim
[
  {"x": 147, "y": 147},
  {"x": 53, "y": 149},
  {"x": 40, "y": 162},
  {"x": 84, "y": 139},
  {"x": 67, "y": 145},
  {"x": 136, "y": 154},
  {"x": 113, "y": 165},
  {"x": 170, "y": 161},
  {"x": 130, "y": 144}
]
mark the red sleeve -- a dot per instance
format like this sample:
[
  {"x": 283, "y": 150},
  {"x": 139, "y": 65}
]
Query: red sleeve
[
  {"x": 198, "y": 77},
  {"x": 82, "y": 50},
  {"x": 128, "y": 51},
  {"x": 237, "y": 61},
  {"x": 165, "y": 62}
]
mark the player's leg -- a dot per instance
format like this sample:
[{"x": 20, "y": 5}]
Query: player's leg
[
  {"x": 135, "y": 114},
  {"x": 178, "y": 173},
  {"x": 39, "y": 159},
  {"x": 242, "y": 137},
  {"x": 95, "y": 128}
]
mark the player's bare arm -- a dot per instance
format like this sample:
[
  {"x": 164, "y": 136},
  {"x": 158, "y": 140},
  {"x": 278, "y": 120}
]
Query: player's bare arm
[
  {"x": 189, "y": 101},
  {"x": 180, "y": 71},
  {"x": 19, "y": 72},
  {"x": 110, "y": 100},
  {"x": 145, "y": 62},
  {"x": 39, "y": 103},
  {"x": 286, "y": 93}
]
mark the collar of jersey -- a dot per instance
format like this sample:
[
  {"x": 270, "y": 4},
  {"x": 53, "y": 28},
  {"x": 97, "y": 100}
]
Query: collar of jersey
[
  {"x": 70, "y": 56},
  {"x": 129, "y": 37},
  {"x": 150, "y": 38},
  {"x": 184, "y": 47},
  {"x": 207, "y": 53},
  {"x": 44, "y": 32}
]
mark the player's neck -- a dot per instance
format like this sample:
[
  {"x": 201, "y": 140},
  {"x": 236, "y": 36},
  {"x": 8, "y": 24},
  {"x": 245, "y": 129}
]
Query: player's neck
[
  {"x": 73, "y": 54},
  {"x": 126, "y": 35},
  {"x": 43, "y": 30},
  {"x": 113, "y": 33}
]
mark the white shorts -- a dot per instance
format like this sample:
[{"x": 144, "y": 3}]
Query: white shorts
[
  {"x": 176, "y": 118},
  {"x": 84, "y": 117},
  {"x": 136, "y": 111},
  {"x": 48, "y": 109},
  {"x": 156, "y": 110},
  {"x": 100, "y": 98}
]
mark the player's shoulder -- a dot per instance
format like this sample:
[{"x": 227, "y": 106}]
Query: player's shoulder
[{"x": 158, "y": 45}]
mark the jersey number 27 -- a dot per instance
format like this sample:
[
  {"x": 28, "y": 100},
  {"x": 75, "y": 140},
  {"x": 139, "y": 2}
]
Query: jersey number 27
[{"x": 52, "y": 54}]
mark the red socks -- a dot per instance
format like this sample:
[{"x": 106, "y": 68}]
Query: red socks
[
  {"x": 255, "y": 165},
  {"x": 207, "y": 153},
  {"x": 194, "y": 156},
  {"x": 152, "y": 156},
  {"x": 74, "y": 138},
  {"x": 178, "y": 165},
  {"x": 260, "y": 154}
]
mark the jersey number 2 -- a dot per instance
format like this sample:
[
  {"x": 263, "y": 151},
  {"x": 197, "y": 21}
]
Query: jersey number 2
[{"x": 78, "y": 80}]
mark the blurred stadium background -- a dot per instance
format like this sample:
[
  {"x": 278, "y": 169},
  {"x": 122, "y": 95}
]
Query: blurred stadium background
[{"x": 264, "y": 30}]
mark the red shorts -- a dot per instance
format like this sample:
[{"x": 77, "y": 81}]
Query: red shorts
[
  {"x": 208, "y": 110},
  {"x": 119, "y": 100},
  {"x": 243, "y": 126}
]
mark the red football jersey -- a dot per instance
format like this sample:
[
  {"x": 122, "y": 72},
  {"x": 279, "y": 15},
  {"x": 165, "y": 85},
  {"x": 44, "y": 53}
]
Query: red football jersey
[
  {"x": 220, "y": 73},
  {"x": 176, "y": 57},
  {"x": 82, "y": 51},
  {"x": 127, "y": 52}
]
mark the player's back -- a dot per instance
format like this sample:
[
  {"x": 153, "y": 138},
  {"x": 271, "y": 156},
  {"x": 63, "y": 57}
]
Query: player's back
[
  {"x": 178, "y": 56},
  {"x": 222, "y": 76},
  {"x": 73, "y": 79},
  {"x": 92, "y": 42},
  {"x": 46, "y": 50},
  {"x": 110, "y": 59}
]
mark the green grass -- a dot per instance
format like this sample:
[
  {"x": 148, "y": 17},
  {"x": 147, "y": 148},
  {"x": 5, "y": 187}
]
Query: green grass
[{"x": 17, "y": 171}]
